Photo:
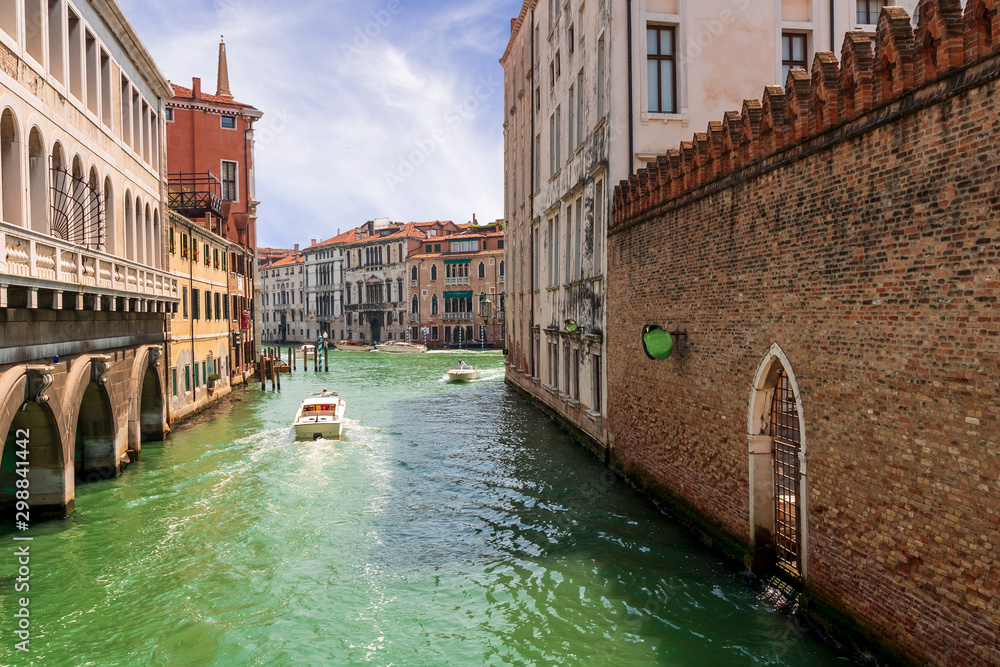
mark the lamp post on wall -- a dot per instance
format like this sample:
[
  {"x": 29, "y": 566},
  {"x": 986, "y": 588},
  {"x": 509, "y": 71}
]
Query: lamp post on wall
[{"x": 658, "y": 343}]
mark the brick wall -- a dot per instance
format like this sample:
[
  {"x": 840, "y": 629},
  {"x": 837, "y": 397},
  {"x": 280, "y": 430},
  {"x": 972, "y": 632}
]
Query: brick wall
[{"x": 852, "y": 220}]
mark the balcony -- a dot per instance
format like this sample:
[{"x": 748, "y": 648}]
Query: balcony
[
  {"x": 195, "y": 195},
  {"x": 458, "y": 281},
  {"x": 37, "y": 261},
  {"x": 457, "y": 317}
]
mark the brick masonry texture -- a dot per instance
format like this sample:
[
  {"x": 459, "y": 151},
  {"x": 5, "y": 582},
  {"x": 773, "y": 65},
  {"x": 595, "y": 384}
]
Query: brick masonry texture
[{"x": 851, "y": 219}]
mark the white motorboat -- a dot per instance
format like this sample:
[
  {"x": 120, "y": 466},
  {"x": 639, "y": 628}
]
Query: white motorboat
[
  {"x": 463, "y": 373},
  {"x": 353, "y": 346},
  {"x": 320, "y": 416},
  {"x": 399, "y": 347}
]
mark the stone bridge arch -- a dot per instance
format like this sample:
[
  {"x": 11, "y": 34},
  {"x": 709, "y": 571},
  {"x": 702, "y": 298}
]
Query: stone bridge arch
[
  {"x": 29, "y": 412},
  {"x": 91, "y": 421},
  {"x": 147, "y": 400}
]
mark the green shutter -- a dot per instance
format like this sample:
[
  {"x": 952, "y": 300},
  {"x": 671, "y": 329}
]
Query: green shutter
[{"x": 458, "y": 295}]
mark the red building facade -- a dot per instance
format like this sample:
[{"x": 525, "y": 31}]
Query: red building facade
[{"x": 210, "y": 165}]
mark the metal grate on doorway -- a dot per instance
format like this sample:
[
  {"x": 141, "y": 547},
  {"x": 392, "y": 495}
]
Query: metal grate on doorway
[{"x": 786, "y": 447}]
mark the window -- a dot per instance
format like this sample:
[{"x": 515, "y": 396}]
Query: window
[
  {"x": 93, "y": 90},
  {"x": 413, "y": 306},
  {"x": 601, "y": 67},
  {"x": 184, "y": 245},
  {"x": 187, "y": 379},
  {"x": 429, "y": 248},
  {"x": 170, "y": 115},
  {"x": 56, "y": 43},
  {"x": 225, "y": 308},
  {"x": 538, "y": 162},
  {"x": 558, "y": 66},
  {"x": 579, "y": 108},
  {"x": 482, "y": 270},
  {"x": 173, "y": 245},
  {"x": 75, "y": 30},
  {"x": 437, "y": 247},
  {"x": 208, "y": 305},
  {"x": 196, "y": 382},
  {"x": 195, "y": 304},
  {"x": 434, "y": 305},
  {"x": 173, "y": 381},
  {"x": 184, "y": 301},
  {"x": 599, "y": 205},
  {"x": 793, "y": 53},
  {"x": 208, "y": 260},
  {"x": 558, "y": 136},
  {"x": 572, "y": 42},
  {"x": 868, "y": 11},
  {"x": 434, "y": 272},
  {"x": 578, "y": 244},
  {"x": 229, "y": 191},
  {"x": 661, "y": 69},
  {"x": 228, "y": 122},
  {"x": 218, "y": 304},
  {"x": 571, "y": 128}
]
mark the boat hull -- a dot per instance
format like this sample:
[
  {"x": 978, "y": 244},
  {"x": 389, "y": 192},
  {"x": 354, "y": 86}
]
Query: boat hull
[
  {"x": 464, "y": 376},
  {"x": 310, "y": 430},
  {"x": 354, "y": 348},
  {"x": 402, "y": 349}
]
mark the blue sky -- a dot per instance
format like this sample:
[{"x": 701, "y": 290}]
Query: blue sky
[{"x": 381, "y": 108}]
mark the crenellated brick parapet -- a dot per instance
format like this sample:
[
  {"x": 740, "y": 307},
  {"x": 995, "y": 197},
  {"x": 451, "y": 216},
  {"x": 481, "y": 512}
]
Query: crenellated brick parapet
[{"x": 904, "y": 60}]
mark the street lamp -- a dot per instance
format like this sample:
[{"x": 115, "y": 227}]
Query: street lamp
[{"x": 657, "y": 342}]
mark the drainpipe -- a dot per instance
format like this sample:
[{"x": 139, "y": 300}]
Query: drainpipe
[
  {"x": 631, "y": 117},
  {"x": 833, "y": 32}
]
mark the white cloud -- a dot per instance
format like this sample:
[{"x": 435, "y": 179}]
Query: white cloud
[{"x": 368, "y": 113}]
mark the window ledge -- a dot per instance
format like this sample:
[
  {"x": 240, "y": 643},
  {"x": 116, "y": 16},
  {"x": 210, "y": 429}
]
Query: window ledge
[
  {"x": 595, "y": 417},
  {"x": 554, "y": 288},
  {"x": 663, "y": 117},
  {"x": 555, "y": 174},
  {"x": 552, "y": 390},
  {"x": 570, "y": 401}
]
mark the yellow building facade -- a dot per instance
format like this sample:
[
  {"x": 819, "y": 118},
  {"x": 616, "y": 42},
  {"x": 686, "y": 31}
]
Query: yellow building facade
[{"x": 200, "y": 332}]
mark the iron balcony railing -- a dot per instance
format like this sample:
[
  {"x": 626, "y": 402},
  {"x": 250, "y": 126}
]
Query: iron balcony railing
[
  {"x": 461, "y": 317},
  {"x": 193, "y": 195},
  {"x": 463, "y": 280}
]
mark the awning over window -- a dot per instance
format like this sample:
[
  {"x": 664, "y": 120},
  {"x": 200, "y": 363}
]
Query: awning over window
[
  {"x": 458, "y": 295},
  {"x": 457, "y": 261}
]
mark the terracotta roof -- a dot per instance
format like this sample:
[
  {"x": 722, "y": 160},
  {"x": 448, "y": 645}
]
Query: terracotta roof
[
  {"x": 346, "y": 237},
  {"x": 286, "y": 261},
  {"x": 182, "y": 93},
  {"x": 454, "y": 255}
]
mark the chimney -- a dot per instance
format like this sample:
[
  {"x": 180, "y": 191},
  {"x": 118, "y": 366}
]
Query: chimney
[
  {"x": 474, "y": 220},
  {"x": 196, "y": 87},
  {"x": 312, "y": 241},
  {"x": 513, "y": 22},
  {"x": 296, "y": 247}
]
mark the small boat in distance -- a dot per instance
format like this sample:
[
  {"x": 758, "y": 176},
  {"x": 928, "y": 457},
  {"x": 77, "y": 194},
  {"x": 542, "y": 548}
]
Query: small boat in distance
[
  {"x": 353, "y": 346},
  {"x": 399, "y": 347},
  {"x": 463, "y": 373},
  {"x": 321, "y": 415},
  {"x": 307, "y": 349}
]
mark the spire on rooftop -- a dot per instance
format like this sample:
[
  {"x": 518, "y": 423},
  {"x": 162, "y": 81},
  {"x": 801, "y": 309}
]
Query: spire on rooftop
[{"x": 223, "y": 87}]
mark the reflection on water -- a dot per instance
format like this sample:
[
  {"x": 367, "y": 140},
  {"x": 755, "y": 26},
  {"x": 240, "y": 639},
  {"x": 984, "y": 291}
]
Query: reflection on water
[{"x": 453, "y": 525}]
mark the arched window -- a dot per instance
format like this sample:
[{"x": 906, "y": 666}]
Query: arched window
[
  {"x": 482, "y": 270},
  {"x": 434, "y": 305},
  {"x": 38, "y": 183},
  {"x": 388, "y": 292},
  {"x": 140, "y": 233},
  {"x": 158, "y": 245},
  {"x": 130, "y": 228},
  {"x": 109, "y": 214},
  {"x": 414, "y": 306},
  {"x": 10, "y": 168},
  {"x": 501, "y": 269},
  {"x": 96, "y": 236},
  {"x": 434, "y": 272},
  {"x": 151, "y": 241},
  {"x": 399, "y": 289},
  {"x": 413, "y": 275}
]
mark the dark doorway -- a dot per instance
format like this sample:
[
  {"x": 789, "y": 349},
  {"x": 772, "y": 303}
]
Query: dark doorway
[{"x": 376, "y": 331}]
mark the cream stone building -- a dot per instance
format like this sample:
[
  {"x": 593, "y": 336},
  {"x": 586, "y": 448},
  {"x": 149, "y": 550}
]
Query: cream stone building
[
  {"x": 84, "y": 290},
  {"x": 282, "y": 284},
  {"x": 593, "y": 90}
]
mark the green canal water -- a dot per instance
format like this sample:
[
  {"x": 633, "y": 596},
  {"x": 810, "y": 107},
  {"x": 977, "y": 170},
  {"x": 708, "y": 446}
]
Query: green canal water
[{"x": 453, "y": 525}]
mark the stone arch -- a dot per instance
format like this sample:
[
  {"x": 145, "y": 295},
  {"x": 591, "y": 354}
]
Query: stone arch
[
  {"x": 92, "y": 420},
  {"x": 147, "y": 404},
  {"x": 38, "y": 183},
  {"x": 49, "y": 477},
  {"x": 10, "y": 168},
  {"x": 763, "y": 498},
  {"x": 97, "y": 232}
]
